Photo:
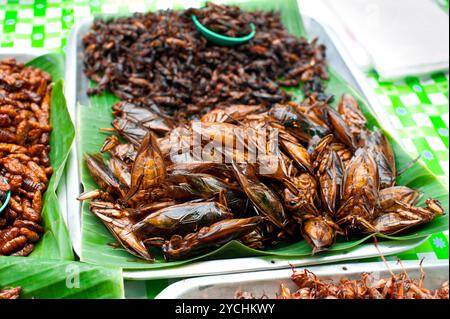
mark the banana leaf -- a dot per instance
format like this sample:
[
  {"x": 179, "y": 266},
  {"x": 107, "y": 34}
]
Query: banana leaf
[
  {"x": 55, "y": 242},
  {"x": 51, "y": 279},
  {"x": 97, "y": 242}
]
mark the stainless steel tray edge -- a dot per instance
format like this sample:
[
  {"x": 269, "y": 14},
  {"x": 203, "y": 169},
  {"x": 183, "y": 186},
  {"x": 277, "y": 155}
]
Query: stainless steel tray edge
[
  {"x": 267, "y": 282},
  {"x": 73, "y": 206},
  {"x": 241, "y": 265}
]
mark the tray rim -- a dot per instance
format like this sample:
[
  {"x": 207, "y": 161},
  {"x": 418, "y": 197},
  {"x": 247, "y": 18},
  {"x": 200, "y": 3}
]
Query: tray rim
[
  {"x": 74, "y": 216},
  {"x": 179, "y": 289},
  {"x": 266, "y": 263}
]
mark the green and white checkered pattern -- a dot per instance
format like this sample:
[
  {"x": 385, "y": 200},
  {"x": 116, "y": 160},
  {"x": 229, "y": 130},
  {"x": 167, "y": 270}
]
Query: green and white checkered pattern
[
  {"x": 47, "y": 23},
  {"x": 444, "y": 4},
  {"x": 418, "y": 108}
]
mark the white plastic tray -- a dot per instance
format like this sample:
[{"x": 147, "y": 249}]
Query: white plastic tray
[
  {"x": 268, "y": 282},
  {"x": 75, "y": 91}
]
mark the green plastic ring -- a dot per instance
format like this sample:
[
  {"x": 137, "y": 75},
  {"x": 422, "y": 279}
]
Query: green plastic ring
[
  {"x": 8, "y": 197},
  {"x": 222, "y": 39}
]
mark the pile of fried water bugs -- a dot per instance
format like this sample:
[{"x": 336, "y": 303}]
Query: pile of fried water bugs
[
  {"x": 25, "y": 97},
  {"x": 10, "y": 293},
  {"x": 398, "y": 286},
  {"x": 161, "y": 61},
  {"x": 169, "y": 183},
  {"x": 331, "y": 175}
]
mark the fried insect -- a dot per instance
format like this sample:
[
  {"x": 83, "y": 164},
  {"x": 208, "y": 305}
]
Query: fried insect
[
  {"x": 116, "y": 219},
  {"x": 329, "y": 171},
  {"x": 10, "y": 293},
  {"x": 368, "y": 286},
  {"x": 148, "y": 170},
  {"x": 319, "y": 231},
  {"x": 301, "y": 195},
  {"x": 351, "y": 113},
  {"x": 317, "y": 191},
  {"x": 360, "y": 191},
  {"x": 143, "y": 116},
  {"x": 264, "y": 199},
  {"x": 377, "y": 143},
  {"x": 181, "y": 219},
  {"x": 296, "y": 123},
  {"x": 191, "y": 186},
  {"x": 208, "y": 238},
  {"x": 299, "y": 154},
  {"x": 316, "y": 227},
  {"x": 389, "y": 197},
  {"x": 406, "y": 216},
  {"x": 103, "y": 176}
]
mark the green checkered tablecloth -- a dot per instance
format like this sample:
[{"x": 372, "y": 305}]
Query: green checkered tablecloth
[
  {"x": 418, "y": 108},
  {"x": 444, "y": 4}
]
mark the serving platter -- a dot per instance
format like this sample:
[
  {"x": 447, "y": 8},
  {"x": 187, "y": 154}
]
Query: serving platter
[
  {"x": 55, "y": 243},
  {"x": 267, "y": 283},
  {"x": 77, "y": 99}
]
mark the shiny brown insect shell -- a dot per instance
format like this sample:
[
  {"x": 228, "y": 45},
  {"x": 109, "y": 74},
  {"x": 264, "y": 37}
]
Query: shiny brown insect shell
[
  {"x": 301, "y": 196},
  {"x": 148, "y": 170},
  {"x": 351, "y": 114},
  {"x": 361, "y": 177}
]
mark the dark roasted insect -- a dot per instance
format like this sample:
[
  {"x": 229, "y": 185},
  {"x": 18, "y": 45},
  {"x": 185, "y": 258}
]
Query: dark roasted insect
[
  {"x": 360, "y": 190},
  {"x": 296, "y": 123},
  {"x": 116, "y": 219},
  {"x": 398, "y": 286},
  {"x": 181, "y": 219},
  {"x": 208, "y": 238},
  {"x": 378, "y": 145},
  {"x": 142, "y": 116},
  {"x": 352, "y": 115},
  {"x": 405, "y": 216},
  {"x": 265, "y": 200},
  {"x": 389, "y": 197},
  {"x": 10, "y": 293},
  {"x": 329, "y": 171},
  {"x": 225, "y": 20},
  {"x": 103, "y": 176},
  {"x": 148, "y": 170}
]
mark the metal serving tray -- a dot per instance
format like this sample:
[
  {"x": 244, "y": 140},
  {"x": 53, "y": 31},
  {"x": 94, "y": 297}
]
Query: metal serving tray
[
  {"x": 268, "y": 282},
  {"x": 75, "y": 92},
  {"x": 25, "y": 56}
]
